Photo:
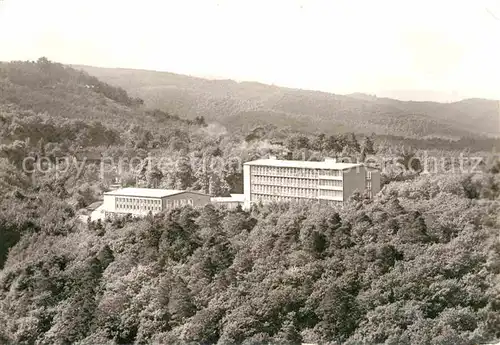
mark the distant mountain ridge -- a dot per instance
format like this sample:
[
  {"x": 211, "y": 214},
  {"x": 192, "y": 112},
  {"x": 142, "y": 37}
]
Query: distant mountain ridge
[
  {"x": 421, "y": 95},
  {"x": 244, "y": 105}
]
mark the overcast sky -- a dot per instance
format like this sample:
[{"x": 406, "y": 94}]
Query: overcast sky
[{"x": 341, "y": 46}]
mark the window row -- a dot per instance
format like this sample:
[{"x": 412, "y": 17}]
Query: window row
[
  {"x": 284, "y": 171},
  {"x": 331, "y": 183},
  {"x": 178, "y": 203},
  {"x": 330, "y": 172},
  {"x": 285, "y": 191},
  {"x": 138, "y": 201},
  {"x": 255, "y": 197},
  {"x": 294, "y": 172},
  {"x": 266, "y": 198},
  {"x": 138, "y": 204},
  {"x": 137, "y": 207},
  {"x": 276, "y": 198},
  {"x": 284, "y": 181},
  {"x": 331, "y": 193}
]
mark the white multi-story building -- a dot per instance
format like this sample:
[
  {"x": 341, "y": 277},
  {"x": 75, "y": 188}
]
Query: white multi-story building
[
  {"x": 285, "y": 180},
  {"x": 141, "y": 201}
]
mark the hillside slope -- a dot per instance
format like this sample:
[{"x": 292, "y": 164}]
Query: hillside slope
[
  {"x": 60, "y": 91},
  {"x": 247, "y": 104}
]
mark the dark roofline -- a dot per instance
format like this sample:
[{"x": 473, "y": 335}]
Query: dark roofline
[
  {"x": 354, "y": 165},
  {"x": 194, "y": 192},
  {"x": 372, "y": 167},
  {"x": 142, "y": 196},
  {"x": 94, "y": 205},
  {"x": 156, "y": 197}
]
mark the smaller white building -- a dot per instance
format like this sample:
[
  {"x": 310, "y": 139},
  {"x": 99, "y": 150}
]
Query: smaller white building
[
  {"x": 230, "y": 202},
  {"x": 141, "y": 201}
]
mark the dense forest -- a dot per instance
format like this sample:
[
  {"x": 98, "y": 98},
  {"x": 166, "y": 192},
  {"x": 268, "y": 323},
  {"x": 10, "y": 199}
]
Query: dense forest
[{"x": 418, "y": 264}]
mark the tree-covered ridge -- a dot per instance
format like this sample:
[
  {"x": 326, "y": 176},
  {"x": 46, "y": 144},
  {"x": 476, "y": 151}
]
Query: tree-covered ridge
[
  {"x": 61, "y": 91},
  {"x": 417, "y": 265},
  {"x": 253, "y": 104},
  {"x": 46, "y": 74},
  {"x": 23, "y": 125}
]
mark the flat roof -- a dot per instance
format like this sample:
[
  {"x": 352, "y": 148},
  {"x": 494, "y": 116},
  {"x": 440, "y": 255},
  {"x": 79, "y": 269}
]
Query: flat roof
[
  {"x": 144, "y": 192},
  {"x": 239, "y": 197},
  {"x": 94, "y": 205},
  {"x": 304, "y": 164}
]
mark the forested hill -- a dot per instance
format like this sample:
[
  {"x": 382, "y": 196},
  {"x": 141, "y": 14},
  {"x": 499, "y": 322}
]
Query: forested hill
[
  {"x": 248, "y": 104},
  {"x": 46, "y": 87}
]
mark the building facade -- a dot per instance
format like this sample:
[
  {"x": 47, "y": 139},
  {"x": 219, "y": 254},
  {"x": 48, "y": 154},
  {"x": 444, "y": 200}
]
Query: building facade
[
  {"x": 231, "y": 202},
  {"x": 141, "y": 201},
  {"x": 271, "y": 179}
]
